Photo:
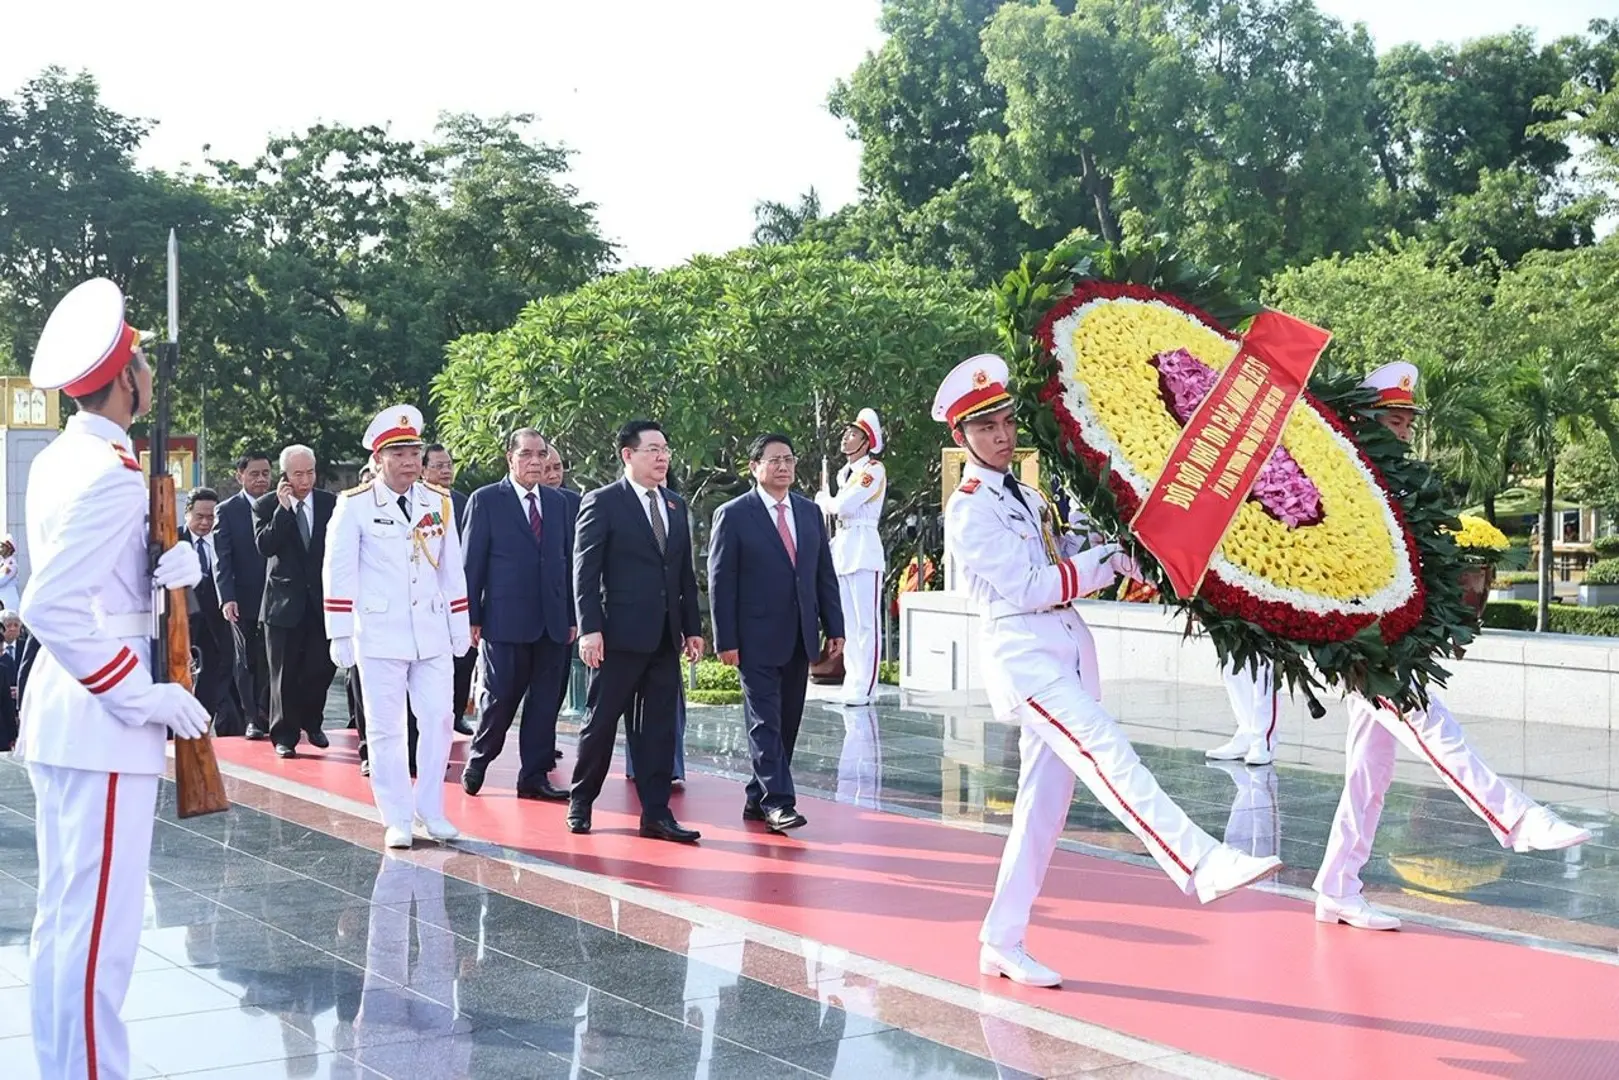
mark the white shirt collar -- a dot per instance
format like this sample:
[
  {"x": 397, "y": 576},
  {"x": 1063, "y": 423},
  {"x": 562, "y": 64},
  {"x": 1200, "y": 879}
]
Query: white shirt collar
[
  {"x": 523, "y": 493},
  {"x": 771, "y": 502},
  {"x": 641, "y": 492},
  {"x": 99, "y": 426}
]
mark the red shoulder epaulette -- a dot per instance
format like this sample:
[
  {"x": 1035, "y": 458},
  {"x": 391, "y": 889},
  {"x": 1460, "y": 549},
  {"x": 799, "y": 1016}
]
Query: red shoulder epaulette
[
  {"x": 129, "y": 460},
  {"x": 969, "y": 485}
]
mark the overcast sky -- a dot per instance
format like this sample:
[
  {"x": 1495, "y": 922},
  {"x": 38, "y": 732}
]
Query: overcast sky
[{"x": 683, "y": 113}]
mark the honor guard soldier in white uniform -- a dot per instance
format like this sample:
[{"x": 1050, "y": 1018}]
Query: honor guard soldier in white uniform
[
  {"x": 1376, "y": 728},
  {"x": 1253, "y": 702},
  {"x": 857, "y": 552},
  {"x": 94, "y": 724},
  {"x": 396, "y": 605},
  {"x": 1039, "y": 668}
]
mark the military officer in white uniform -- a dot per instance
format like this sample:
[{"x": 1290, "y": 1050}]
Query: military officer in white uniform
[
  {"x": 396, "y": 605},
  {"x": 1039, "y": 667},
  {"x": 1376, "y": 728},
  {"x": 857, "y": 552},
  {"x": 94, "y": 724},
  {"x": 1253, "y": 703}
]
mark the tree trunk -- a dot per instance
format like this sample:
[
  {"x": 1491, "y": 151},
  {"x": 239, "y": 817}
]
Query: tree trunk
[
  {"x": 1489, "y": 508},
  {"x": 1543, "y": 610},
  {"x": 1100, "y": 189}
]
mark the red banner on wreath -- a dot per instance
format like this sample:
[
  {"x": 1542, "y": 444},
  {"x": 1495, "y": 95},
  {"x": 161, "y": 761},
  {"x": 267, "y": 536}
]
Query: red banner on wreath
[{"x": 1224, "y": 446}]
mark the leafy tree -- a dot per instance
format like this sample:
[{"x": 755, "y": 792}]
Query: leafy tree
[
  {"x": 719, "y": 350},
  {"x": 778, "y": 223},
  {"x": 1589, "y": 473}
]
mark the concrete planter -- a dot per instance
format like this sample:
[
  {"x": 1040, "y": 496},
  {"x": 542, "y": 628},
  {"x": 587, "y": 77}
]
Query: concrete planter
[
  {"x": 1530, "y": 591},
  {"x": 1599, "y": 595}
]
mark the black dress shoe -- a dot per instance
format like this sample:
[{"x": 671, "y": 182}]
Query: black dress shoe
[
  {"x": 285, "y": 751},
  {"x": 556, "y": 755},
  {"x": 254, "y": 733},
  {"x": 543, "y": 790},
  {"x": 670, "y": 830},
  {"x": 471, "y": 780},
  {"x": 752, "y": 812},
  {"x": 318, "y": 739},
  {"x": 578, "y": 818},
  {"x": 783, "y": 818},
  {"x": 463, "y": 726}
]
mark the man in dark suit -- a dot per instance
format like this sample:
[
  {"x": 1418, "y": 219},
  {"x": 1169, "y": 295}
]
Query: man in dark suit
[
  {"x": 210, "y": 632},
  {"x": 636, "y": 592},
  {"x": 438, "y": 467},
  {"x": 10, "y": 665},
  {"x": 519, "y": 559},
  {"x": 772, "y": 591},
  {"x": 555, "y": 476},
  {"x": 239, "y": 582},
  {"x": 289, "y": 527}
]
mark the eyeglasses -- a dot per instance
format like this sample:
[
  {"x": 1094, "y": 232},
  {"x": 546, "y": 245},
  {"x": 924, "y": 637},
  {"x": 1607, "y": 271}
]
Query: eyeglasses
[
  {"x": 781, "y": 461},
  {"x": 655, "y": 451}
]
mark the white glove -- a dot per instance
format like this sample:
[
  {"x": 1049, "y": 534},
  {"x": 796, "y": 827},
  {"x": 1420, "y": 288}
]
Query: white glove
[
  {"x": 458, "y": 645},
  {"x": 343, "y": 651},
  {"x": 173, "y": 705},
  {"x": 1125, "y": 566},
  {"x": 823, "y": 499},
  {"x": 178, "y": 568}
]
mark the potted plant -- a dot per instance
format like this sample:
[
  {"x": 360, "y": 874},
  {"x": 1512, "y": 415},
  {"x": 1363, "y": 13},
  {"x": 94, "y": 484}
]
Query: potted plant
[
  {"x": 1482, "y": 546},
  {"x": 1516, "y": 585},
  {"x": 1601, "y": 585}
]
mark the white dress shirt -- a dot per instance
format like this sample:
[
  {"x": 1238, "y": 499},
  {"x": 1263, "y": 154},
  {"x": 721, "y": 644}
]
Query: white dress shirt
[
  {"x": 522, "y": 499},
  {"x": 663, "y": 510},
  {"x": 771, "y": 502}
]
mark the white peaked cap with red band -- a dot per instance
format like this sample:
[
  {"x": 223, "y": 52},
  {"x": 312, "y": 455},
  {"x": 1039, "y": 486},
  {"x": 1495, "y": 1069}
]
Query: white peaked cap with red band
[
  {"x": 397, "y": 425},
  {"x": 866, "y": 420},
  {"x": 1396, "y": 385},
  {"x": 86, "y": 342},
  {"x": 975, "y": 386}
]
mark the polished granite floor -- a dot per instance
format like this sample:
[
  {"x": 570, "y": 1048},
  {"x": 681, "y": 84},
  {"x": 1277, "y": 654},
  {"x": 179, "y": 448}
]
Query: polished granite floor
[{"x": 274, "y": 949}]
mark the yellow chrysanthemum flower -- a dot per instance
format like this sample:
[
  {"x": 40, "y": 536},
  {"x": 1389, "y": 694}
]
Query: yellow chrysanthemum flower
[{"x": 1479, "y": 533}]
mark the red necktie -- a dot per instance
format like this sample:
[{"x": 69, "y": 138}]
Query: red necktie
[
  {"x": 534, "y": 517},
  {"x": 786, "y": 534}
]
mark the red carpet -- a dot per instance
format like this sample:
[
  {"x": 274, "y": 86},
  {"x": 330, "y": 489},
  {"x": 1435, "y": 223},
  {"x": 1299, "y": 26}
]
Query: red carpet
[{"x": 1252, "y": 980}]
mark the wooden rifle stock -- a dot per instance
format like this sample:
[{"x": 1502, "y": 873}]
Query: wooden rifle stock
[{"x": 199, "y": 789}]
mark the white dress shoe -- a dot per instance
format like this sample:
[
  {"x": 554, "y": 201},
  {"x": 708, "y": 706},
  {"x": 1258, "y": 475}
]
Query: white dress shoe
[
  {"x": 1016, "y": 964},
  {"x": 1353, "y": 910},
  {"x": 1225, "y": 870},
  {"x": 439, "y": 829},
  {"x": 1258, "y": 754},
  {"x": 1542, "y": 830},
  {"x": 1233, "y": 749},
  {"x": 396, "y": 838}
]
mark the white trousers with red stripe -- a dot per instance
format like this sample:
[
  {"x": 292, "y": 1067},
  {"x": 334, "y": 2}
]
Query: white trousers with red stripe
[
  {"x": 94, "y": 835},
  {"x": 858, "y": 592},
  {"x": 1253, "y": 702},
  {"x": 430, "y": 684},
  {"x": 1434, "y": 736},
  {"x": 1067, "y": 734}
]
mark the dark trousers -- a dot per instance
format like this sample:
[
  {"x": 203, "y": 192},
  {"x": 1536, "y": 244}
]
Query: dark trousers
[
  {"x": 351, "y": 690},
  {"x": 301, "y": 672},
  {"x": 210, "y": 635},
  {"x": 252, "y": 671},
  {"x": 773, "y": 707},
  {"x": 465, "y": 665},
  {"x": 513, "y": 672},
  {"x": 652, "y": 681}
]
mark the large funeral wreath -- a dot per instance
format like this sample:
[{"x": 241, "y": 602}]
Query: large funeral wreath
[{"x": 1340, "y": 567}]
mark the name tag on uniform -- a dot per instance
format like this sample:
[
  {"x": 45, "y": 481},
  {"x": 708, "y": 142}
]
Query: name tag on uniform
[
  {"x": 1019, "y": 517},
  {"x": 384, "y": 521}
]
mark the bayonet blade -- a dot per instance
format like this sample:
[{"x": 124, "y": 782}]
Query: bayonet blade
[{"x": 174, "y": 288}]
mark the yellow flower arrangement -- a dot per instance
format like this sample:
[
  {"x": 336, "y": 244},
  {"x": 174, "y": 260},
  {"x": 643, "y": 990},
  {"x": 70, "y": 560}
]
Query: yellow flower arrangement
[
  {"x": 1480, "y": 535},
  {"x": 1352, "y": 554}
]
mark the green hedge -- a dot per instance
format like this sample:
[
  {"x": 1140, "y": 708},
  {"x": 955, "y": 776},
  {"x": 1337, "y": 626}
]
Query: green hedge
[
  {"x": 713, "y": 675},
  {"x": 888, "y": 672},
  {"x": 714, "y": 697},
  {"x": 1603, "y": 572},
  {"x": 1607, "y": 547},
  {"x": 1517, "y": 577},
  {"x": 1564, "y": 618}
]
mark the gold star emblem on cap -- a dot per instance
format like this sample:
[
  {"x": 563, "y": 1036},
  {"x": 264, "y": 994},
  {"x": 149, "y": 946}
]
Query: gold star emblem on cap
[{"x": 980, "y": 378}]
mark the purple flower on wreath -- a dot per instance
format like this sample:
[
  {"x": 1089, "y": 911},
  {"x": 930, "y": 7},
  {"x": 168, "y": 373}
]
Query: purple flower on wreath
[{"x": 1282, "y": 489}]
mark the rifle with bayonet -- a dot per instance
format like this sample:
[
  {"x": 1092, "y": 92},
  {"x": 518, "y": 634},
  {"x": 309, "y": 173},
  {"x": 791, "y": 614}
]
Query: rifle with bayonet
[{"x": 199, "y": 789}]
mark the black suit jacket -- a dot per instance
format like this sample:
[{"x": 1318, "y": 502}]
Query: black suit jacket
[
  {"x": 761, "y": 601},
  {"x": 458, "y": 506},
  {"x": 238, "y": 566},
  {"x": 292, "y": 585},
  {"x": 519, "y": 591},
  {"x": 10, "y": 666},
  {"x": 624, "y": 588}
]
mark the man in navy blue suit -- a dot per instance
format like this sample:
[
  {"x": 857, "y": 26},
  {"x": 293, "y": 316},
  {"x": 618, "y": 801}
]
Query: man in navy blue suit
[
  {"x": 773, "y": 592},
  {"x": 519, "y": 562},
  {"x": 239, "y": 583}
]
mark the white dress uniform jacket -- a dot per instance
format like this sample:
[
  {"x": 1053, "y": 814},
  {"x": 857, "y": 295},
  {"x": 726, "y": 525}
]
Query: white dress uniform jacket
[
  {"x": 395, "y": 583},
  {"x": 90, "y": 598},
  {"x": 858, "y": 506}
]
